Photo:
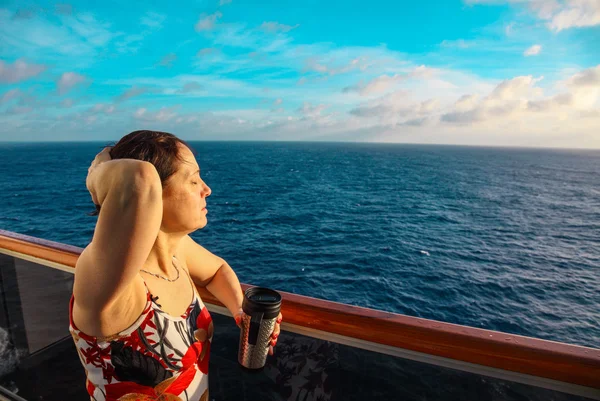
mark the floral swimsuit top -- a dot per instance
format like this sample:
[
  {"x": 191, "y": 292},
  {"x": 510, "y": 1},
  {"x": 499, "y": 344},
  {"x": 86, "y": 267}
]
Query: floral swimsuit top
[{"x": 159, "y": 357}]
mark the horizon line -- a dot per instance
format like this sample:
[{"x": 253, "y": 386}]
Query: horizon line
[{"x": 323, "y": 142}]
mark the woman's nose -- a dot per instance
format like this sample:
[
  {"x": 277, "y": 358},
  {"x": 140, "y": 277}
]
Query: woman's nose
[{"x": 207, "y": 191}]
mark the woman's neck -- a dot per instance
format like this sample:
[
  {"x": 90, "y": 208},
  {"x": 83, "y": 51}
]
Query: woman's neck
[{"x": 161, "y": 255}]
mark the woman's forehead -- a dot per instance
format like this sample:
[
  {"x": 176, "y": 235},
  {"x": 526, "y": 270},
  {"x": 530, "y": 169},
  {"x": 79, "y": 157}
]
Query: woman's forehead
[
  {"x": 188, "y": 159},
  {"x": 188, "y": 166}
]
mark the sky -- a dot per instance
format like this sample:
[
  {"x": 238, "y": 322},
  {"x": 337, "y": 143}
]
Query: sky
[{"x": 471, "y": 72}]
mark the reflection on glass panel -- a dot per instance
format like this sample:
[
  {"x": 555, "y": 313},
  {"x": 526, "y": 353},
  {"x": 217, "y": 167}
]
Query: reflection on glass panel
[
  {"x": 53, "y": 374},
  {"x": 34, "y": 318},
  {"x": 40, "y": 295}
]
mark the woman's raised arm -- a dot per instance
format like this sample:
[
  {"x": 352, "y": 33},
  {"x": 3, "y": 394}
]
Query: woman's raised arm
[{"x": 130, "y": 195}]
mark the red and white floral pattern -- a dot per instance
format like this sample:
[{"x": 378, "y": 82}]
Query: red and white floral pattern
[{"x": 160, "y": 357}]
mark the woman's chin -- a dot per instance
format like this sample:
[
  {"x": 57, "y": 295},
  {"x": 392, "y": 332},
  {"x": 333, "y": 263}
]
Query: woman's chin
[{"x": 203, "y": 223}]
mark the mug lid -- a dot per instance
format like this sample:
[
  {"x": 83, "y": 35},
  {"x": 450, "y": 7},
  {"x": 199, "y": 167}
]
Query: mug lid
[{"x": 262, "y": 300}]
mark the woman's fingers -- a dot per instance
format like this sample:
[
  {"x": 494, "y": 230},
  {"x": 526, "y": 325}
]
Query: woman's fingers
[
  {"x": 100, "y": 158},
  {"x": 276, "y": 331},
  {"x": 277, "y": 328},
  {"x": 105, "y": 154},
  {"x": 238, "y": 317},
  {"x": 273, "y": 340},
  {"x": 275, "y": 334},
  {"x": 94, "y": 197}
]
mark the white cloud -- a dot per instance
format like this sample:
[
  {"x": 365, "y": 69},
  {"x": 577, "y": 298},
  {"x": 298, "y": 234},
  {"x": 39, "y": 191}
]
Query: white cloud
[
  {"x": 428, "y": 106},
  {"x": 191, "y": 87},
  {"x": 17, "y": 109},
  {"x": 575, "y": 13},
  {"x": 508, "y": 97},
  {"x": 68, "y": 81},
  {"x": 240, "y": 35},
  {"x": 331, "y": 68},
  {"x": 309, "y": 110},
  {"x": 55, "y": 38},
  {"x": 533, "y": 51},
  {"x": 508, "y": 29},
  {"x": 153, "y": 20},
  {"x": 168, "y": 60},
  {"x": 520, "y": 99},
  {"x": 129, "y": 43},
  {"x": 558, "y": 14},
  {"x": 418, "y": 122},
  {"x": 460, "y": 43},
  {"x": 103, "y": 108},
  {"x": 10, "y": 95},
  {"x": 207, "y": 22},
  {"x": 398, "y": 108},
  {"x": 466, "y": 102},
  {"x": 384, "y": 83},
  {"x": 586, "y": 78},
  {"x": 275, "y": 27},
  {"x": 584, "y": 89},
  {"x": 131, "y": 92},
  {"x": 377, "y": 85},
  {"x": 380, "y": 110},
  {"x": 214, "y": 85},
  {"x": 22, "y": 101},
  {"x": 164, "y": 114},
  {"x": 132, "y": 42},
  {"x": 206, "y": 51},
  {"x": 517, "y": 106},
  {"x": 19, "y": 71},
  {"x": 516, "y": 88},
  {"x": 87, "y": 27}
]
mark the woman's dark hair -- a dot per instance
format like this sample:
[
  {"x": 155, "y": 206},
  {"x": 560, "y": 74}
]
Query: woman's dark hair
[{"x": 156, "y": 147}]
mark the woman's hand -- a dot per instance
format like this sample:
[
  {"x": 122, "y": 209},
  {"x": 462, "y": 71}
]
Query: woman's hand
[
  {"x": 100, "y": 158},
  {"x": 274, "y": 334}
]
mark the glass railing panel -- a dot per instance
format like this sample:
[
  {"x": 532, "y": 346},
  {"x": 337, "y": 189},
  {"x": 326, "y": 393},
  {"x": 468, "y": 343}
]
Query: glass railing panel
[
  {"x": 34, "y": 301},
  {"x": 43, "y": 299},
  {"x": 307, "y": 368},
  {"x": 39, "y": 361},
  {"x": 52, "y": 374}
]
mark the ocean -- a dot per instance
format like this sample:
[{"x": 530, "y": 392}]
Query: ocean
[{"x": 496, "y": 238}]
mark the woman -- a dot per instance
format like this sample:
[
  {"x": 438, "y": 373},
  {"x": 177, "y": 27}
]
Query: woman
[{"x": 137, "y": 333}]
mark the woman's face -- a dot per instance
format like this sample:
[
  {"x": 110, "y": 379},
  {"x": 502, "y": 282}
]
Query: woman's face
[{"x": 184, "y": 197}]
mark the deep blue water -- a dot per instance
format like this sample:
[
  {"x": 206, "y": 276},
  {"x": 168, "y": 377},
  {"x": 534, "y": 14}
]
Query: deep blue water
[{"x": 503, "y": 239}]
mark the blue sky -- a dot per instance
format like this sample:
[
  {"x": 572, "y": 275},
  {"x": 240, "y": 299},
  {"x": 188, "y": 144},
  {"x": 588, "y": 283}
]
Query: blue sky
[{"x": 478, "y": 72}]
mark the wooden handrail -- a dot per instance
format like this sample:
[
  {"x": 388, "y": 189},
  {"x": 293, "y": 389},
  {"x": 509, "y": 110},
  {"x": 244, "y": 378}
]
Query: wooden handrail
[{"x": 553, "y": 360}]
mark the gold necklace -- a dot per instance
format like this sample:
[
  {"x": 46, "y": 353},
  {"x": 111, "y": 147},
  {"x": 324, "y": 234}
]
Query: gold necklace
[{"x": 163, "y": 277}]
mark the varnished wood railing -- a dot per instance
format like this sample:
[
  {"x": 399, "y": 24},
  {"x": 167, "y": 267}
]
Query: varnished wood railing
[{"x": 547, "y": 359}]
